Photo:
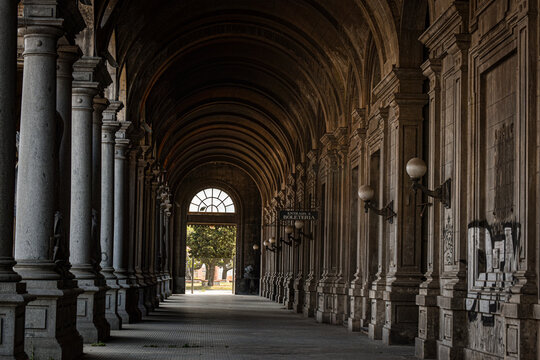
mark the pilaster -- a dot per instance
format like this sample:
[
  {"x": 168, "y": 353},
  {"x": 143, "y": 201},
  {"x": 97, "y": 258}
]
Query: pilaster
[
  {"x": 314, "y": 246},
  {"x": 428, "y": 316},
  {"x": 376, "y": 230},
  {"x": 358, "y": 299},
  {"x": 404, "y": 273},
  {"x": 448, "y": 42}
]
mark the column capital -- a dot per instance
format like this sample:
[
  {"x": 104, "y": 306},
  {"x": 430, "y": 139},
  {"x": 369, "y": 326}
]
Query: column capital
[
  {"x": 121, "y": 141},
  {"x": 121, "y": 133},
  {"x": 107, "y": 131},
  {"x": 67, "y": 55},
  {"x": 45, "y": 12},
  {"x": 91, "y": 72},
  {"x": 111, "y": 113},
  {"x": 100, "y": 103}
]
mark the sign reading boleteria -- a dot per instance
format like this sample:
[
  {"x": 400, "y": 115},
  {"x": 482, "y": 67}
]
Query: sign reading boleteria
[{"x": 298, "y": 215}]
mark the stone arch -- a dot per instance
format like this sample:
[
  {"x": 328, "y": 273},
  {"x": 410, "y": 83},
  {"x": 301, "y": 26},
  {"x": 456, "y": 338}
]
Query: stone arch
[{"x": 247, "y": 199}]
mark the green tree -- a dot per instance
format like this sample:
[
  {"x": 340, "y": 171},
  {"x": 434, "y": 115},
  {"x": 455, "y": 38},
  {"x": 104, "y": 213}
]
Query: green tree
[{"x": 211, "y": 245}]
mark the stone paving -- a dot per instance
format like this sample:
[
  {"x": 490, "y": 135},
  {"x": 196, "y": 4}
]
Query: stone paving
[{"x": 237, "y": 327}]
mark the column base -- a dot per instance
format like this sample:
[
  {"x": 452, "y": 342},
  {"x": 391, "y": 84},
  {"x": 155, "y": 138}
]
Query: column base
[
  {"x": 51, "y": 330},
  {"x": 339, "y": 306},
  {"x": 111, "y": 305},
  {"x": 91, "y": 321},
  {"x": 310, "y": 301},
  {"x": 425, "y": 348},
  {"x": 127, "y": 301},
  {"x": 404, "y": 331},
  {"x": 357, "y": 313},
  {"x": 428, "y": 327},
  {"x": 148, "y": 298},
  {"x": 453, "y": 320},
  {"x": 445, "y": 352},
  {"x": 140, "y": 301},
  {"x": 288, "y": 293},
  {"x": 13, "y": 300},
  {"x": 162, "y": 286},
  {"x": 121, "y": 307},
  {"x": 132, "y": 304},
  {"x": 324, "y": 306},
  {"x": 168, "y": 287},
  {"x": 376, "y": 324},
  {"x": 154, "y": 292}
]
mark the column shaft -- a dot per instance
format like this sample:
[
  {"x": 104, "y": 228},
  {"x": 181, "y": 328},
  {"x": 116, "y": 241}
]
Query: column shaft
[
  {"x": 100, "y": 104},
  {"x": 67, "y": 55},
  {"x": 38, "y": 157},
  {"x": 119, "y": 256},
  {"x": 81, "y": 187},
  {"x": 107, "y": 197}
]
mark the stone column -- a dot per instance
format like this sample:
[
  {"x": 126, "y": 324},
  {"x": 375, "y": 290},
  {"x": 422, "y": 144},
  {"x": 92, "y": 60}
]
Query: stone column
[
  {"x": 120, "y": 223},
  {"x": 140, "y": 270},
  {"x": 166, "y": 244},
  {"x": 50, "y": 320},
  {"x": 108, "y": 130},
  {"x": 90, "y": 316},
  {"x": 132, "y": 204},
  {"x": 159, "y": 242},
  {"x": 100, "y": 104},
  {"x": 67, "y": 55},
  {"x": 13, "y": 296},
  {"x": 148, "y": 271},
  {"x": 154, "y": 208}
]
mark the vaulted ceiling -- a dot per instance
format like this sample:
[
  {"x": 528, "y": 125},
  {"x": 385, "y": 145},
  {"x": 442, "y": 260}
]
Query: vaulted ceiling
[{"x": 250, "y": 83}]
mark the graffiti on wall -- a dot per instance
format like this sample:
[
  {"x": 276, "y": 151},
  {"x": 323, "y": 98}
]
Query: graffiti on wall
[{"x": 494, "y": 254}]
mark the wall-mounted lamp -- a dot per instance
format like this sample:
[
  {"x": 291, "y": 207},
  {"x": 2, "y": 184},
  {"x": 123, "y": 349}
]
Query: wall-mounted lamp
[
  {"x": 416, "y": 169},
  {"x": 270, "y": 244},
  {"x": 289, "y": 230},
  {"x": 366, "y": 193}
]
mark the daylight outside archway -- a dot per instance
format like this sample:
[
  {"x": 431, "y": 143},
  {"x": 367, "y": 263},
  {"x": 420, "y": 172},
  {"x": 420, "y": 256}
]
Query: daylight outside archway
[{"x": 210, "y": 243}]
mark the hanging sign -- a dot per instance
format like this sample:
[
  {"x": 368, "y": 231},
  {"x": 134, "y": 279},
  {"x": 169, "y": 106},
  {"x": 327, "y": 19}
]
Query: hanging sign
[{"x": 298, "y": 215}]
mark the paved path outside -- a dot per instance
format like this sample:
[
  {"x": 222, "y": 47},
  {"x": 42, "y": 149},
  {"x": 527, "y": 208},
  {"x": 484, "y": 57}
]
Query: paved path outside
[
  {"x": 237, "y": 327},
  {"x": 208, "y": 292}
]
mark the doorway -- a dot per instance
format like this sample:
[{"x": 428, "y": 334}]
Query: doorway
[{"x": 210, "y": 259}]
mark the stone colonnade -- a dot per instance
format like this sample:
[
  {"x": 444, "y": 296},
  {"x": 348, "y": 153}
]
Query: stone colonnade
[{"x": 72, "y": 266}]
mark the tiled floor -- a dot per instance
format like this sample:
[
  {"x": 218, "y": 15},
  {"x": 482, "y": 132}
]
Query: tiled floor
[{"x": 237, "y": 327}]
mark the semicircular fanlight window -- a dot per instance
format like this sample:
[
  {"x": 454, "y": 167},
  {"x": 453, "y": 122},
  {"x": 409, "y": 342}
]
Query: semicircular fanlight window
[{"x": 212, "y": 200}]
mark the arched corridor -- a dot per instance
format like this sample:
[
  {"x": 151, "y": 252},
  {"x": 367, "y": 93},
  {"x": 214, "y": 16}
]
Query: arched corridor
[{"x": 382, "y": 158}]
